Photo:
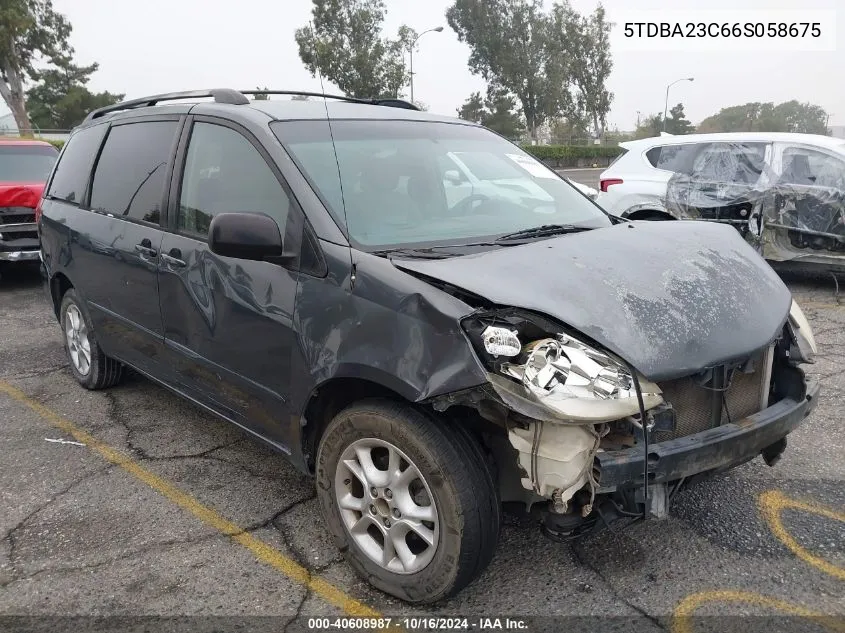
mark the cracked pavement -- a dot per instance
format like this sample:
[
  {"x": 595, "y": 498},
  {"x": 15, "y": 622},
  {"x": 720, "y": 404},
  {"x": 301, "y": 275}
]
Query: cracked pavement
[{"x": 83, "y": 537}]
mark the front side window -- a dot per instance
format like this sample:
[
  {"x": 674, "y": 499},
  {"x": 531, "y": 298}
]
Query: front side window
[
  {"x": 26, "y": 163},
  {"x": 225, "y": 173},
  {"x": 810, "y": 167},
  {"x": 397, "y": 183},
  {"x": 130, "y": 176}
]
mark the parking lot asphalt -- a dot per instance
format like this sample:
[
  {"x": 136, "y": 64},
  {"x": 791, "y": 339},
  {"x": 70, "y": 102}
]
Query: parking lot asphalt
[{"x": 160, "y": 509}]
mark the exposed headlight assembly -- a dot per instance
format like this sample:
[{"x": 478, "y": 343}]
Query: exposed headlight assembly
[
  {"x": 568, "y": 378},
  {"x": 805, "y": 343}
]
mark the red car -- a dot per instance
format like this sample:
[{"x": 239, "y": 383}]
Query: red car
[{"x": 24, "y": 168}]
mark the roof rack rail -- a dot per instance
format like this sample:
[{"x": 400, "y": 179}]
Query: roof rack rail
[
  {"x": 235, "y": 97},
  {"x": 389, "y": 102},
  {"x": 221, "y": 95}
]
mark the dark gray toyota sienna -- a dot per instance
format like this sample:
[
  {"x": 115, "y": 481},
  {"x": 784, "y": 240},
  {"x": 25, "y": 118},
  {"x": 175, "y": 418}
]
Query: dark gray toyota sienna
[{"x": 418, "y": 313}]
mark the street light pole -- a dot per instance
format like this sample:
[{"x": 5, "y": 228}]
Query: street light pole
[
  {"x": 436, "y": 29},
  {"x": 666, "y": 106}
]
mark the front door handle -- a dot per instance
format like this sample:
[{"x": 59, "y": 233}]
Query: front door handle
[
  {"x": 174, "y": 258},
  {"x": 146, "y": 248}
]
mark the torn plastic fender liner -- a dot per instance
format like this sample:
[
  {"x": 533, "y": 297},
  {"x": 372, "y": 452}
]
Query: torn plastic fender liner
[{"x": 580, "y": 411}]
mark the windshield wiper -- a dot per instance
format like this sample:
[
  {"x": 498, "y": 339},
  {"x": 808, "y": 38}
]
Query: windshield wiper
[
  {"x": 420, "y": 253},
  {"x": 541, "y": 231}
]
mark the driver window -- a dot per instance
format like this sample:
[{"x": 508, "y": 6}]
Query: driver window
[{"x": 224, "y": 173}]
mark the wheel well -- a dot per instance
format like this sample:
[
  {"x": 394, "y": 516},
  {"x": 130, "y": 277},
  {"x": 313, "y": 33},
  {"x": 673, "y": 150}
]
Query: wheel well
[
  {"x": 649, "y": 214},
  {"x": 59, "y": 285},
  {"x": 329, "y": 399}
]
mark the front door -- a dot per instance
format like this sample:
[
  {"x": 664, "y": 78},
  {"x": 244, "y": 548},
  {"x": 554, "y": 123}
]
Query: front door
[
  {"x": 228, "y": 322},
  {"x": 809, "y": 200},
  {"x": 124, "y": 236}
]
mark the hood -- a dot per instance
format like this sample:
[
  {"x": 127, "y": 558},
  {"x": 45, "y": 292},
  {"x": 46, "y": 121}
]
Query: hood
[
  {"x": 26, "y": 195},
  {"x": 671, "y": 298}
]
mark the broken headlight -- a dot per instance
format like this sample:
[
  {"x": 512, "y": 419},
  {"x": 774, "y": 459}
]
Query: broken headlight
[
  {"x": 545, "y": 374},
  {"x": 578, "y": 381}
]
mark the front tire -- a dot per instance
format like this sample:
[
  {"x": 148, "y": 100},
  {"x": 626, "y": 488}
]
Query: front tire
[
  {"x": 91, "y": 368},
  {"x": 409, "y": 500}
]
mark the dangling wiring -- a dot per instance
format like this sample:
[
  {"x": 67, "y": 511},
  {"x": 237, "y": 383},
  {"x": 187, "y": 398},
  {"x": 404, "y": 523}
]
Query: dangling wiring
[{"x": 644, "y": 422}]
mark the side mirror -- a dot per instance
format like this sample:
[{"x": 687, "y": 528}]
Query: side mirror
[
  {"x": 453, "y": 176},
  {"x": 245, "y": 236}
]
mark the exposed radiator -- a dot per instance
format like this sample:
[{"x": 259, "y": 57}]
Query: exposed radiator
[{"x": 692, "y": 403}]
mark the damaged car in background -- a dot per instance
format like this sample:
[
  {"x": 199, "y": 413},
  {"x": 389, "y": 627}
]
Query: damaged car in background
[
  {"x": 785, "y": 193},
  {"x": 308, "y": 271}
]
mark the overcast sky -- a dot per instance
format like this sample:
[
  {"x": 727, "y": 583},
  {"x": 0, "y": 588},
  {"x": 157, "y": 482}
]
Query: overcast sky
[{"x": 162, "y": 45}]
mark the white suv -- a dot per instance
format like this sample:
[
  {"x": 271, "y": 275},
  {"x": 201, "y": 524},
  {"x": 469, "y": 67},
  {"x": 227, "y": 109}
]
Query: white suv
[{"x": 784, "y": 192}]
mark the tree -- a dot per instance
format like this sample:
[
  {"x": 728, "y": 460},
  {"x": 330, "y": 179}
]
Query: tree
[
  {"x": 501, "y": 114},
  {"x": 497, "y": 111},
  {"x": 60, "y": 100},
  {"x": 790, "y": 116},
  {"x": 261, "y": 97},
  {"x": 649, "y": 127},
  {"x": 29, "y": 30},
  {"x": 567, "y": 130},
  {"x": 344, "y": 43},
  {"x": 584, "y": 42},
  {"x": 511, "y": 49},
  {"x": 472, "y": 109},
  {"x": 805, "y": 118},
  {"x": 676, "y": 123}
]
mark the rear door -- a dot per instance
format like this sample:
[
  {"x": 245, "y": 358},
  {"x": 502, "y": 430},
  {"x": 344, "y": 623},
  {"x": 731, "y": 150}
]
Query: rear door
[
  {"x": 128, "y": 194},
  {"x": 228, "y": 322},
  {"x": 725, "y": 184}
]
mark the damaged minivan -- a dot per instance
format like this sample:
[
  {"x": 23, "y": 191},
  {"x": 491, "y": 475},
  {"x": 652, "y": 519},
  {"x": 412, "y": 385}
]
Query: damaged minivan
[
  {"x": 303, "y": 270},
  {"x": 784, "y": 193}
]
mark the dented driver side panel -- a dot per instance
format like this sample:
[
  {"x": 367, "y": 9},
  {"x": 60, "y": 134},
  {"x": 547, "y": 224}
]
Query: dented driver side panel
[{"x": 368, "y": 320}]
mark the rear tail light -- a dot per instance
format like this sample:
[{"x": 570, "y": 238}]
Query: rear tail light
[
  {"x": 38, "y": 210},
  {"x": 604, "y": 184}
]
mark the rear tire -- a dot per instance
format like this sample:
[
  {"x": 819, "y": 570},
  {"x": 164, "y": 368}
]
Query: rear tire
[
  {"x": 91, "y": 368},
  {"x": 455, "y": 488}
]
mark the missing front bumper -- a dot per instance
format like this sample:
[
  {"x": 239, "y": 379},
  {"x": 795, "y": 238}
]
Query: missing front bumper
[{"x": 712, "y": 450}]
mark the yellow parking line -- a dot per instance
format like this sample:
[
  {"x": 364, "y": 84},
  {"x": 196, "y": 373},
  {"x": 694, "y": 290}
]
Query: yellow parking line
[
  {"x": 684, "y": 612},
  {"x": 259, "y": 549},
  {"x": 772, "y": 504}
]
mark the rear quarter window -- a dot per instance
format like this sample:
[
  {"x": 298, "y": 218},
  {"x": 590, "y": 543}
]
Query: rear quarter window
[{"x": 71, "y": 176}]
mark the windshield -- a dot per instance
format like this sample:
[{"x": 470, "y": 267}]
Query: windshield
[
  {"x": 410, "y": 183},
  {"x": 26, "y": 163}
]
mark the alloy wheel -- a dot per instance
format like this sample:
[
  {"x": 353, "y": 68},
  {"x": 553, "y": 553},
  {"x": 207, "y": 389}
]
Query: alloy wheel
[
  {"x": 78, "y": 345},
  {"x": 387, "y": 506}
]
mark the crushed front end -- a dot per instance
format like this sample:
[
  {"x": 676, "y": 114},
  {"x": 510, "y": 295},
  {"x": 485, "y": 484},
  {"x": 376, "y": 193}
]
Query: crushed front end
[{"x": 590, "y": 440}]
